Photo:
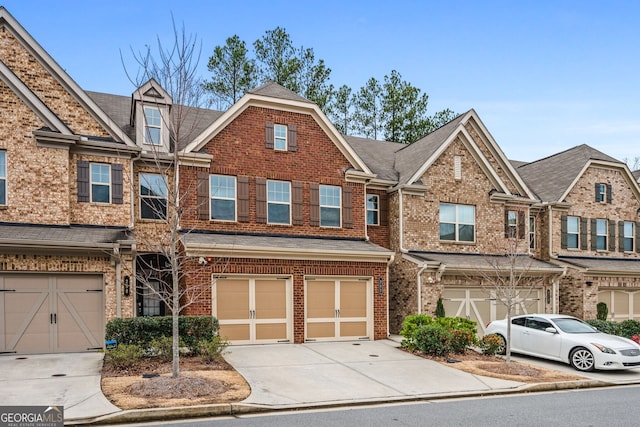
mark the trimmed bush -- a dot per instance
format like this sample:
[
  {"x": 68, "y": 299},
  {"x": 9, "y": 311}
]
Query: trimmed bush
[
  {"x": 605, "y": 326},
  {"x": 212, "y": 349},
  {"x": 460, "y": 334},
  {"x": 602, "y": 311},
  {"x": 628, "y": 328},
  {"x": 124, "y": 356},
  {"x": 439, "y": 308},
  {"x": 491, "y": 344},
  {"x": 433, "y": 339},
  {"x": 410, "y": 325},
  {"x": 460, "y": 340}
]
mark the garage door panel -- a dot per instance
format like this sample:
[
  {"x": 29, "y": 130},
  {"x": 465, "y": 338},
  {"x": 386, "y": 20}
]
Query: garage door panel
[
  {"x": 321, "y": 330},
  {"x": 77, "y": 328},
  {"x": 271, "y": 331},
  {"x": 321, "y": 299},
  {"x": 271, "y": 299},
  {"x": 353, "y": 299},
  {"x": 353, "y": 329},
  {"x": 235, "y": 332},
  {"x": 233, "y": 299},
  {"x": 622, "y": 304}
]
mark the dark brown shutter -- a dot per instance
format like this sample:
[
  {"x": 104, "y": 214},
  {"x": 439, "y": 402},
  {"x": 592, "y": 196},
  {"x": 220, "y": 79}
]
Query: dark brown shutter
[
  {"x": 621, "y": 236},
  {"x": 384, "y": 209},
  {"x": 637, "y": 236},
  {"x": 594, "y": 236},
  {"x": 583, "y": 233},
  {"x": 297, "y": 195},
  {"x": 506, "y": 223},
  {"x": 597, "y": 193},
  {"x": 563, "y": 232},
  {"x": 261, "y": 200},
  {"x": 609, "y": 193},
  {"x": 83, "y": 181},
  {"x": 116, "y": 184},
  {"x": 314, "y": 205},
  {"x": 521, "y": 227},
  {"x": 243, "y": 199},
  {"x": 292, "y": 138},
  {"x": 611, "y": 238},
  {"x": 203, "y": 195},
  {"x": 347, "y": 208},
  {"x": 268, "y": 135}
]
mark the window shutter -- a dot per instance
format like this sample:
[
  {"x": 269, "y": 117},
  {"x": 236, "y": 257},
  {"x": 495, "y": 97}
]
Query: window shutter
[
  {"x": 583, "y": 233},
  {"x": 597, "y": 193},
  {"x": 637, "y": 242},
  {"x": 521, "y": 228},
  {"x": 347, "y": 208},
  {"x": 620, "y": 236},
  {"x": 203, "y": 195},
  {"x": 384, "y": 209},
  {"x": 612, "y": 236},
  {"x": 269, "y": 135},
  {"x": 116, "y": 184},
  {"x": 563, "y": 232},
  {"x": 243, "y": 199},
  {"x": 609, "y": 193},
  {"x": 261, "y": 200},
  {"x": 83, "y": 181},
  {"x": 506, "y": 223},
  {"x": 594, "y": 236},
  {"x": 292, "y": 138},
  {"x": 314, "y": 204},
  {"x": 297, "y": 212}
]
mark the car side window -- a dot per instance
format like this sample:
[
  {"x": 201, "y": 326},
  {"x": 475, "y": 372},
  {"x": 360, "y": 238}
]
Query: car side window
[
  {"x": 519, "y": 321},
  {"x": 537, "y": 323}
]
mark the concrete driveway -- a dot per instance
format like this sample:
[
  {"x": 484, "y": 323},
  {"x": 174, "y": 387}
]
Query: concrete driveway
[
  {"x": 294, "y": 375},
  {"x": 71, "y": 380}
]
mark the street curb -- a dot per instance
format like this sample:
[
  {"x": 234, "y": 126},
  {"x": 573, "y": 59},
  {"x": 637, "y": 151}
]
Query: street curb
[{"x": 239, "y": 408}]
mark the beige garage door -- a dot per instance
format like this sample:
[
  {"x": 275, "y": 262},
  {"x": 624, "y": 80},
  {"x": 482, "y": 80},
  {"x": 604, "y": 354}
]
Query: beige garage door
[
  {"x": 43, "y": 313},
  {"x": 481, "y": 306},
  {"x": 621, "y": 304},
  {"x": 253, "y": 310},
  {"x": 337, "y": 309}
]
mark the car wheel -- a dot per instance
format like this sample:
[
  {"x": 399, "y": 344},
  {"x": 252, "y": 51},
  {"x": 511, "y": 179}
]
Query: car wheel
[
  {"x": 502, "y": 350},
  {"x": 582, "y": 359}
]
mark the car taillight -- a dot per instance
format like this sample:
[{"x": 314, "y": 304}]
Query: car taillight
[{"x": 487, "y": 325}]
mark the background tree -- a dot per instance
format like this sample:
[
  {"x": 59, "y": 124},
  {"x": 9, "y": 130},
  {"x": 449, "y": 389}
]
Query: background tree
[
  {"x": 340, "y": 110},
  {"x": 277, "y": 59},
  {"x": 233, "y": 73},
  {"x": 404, "y": 110},
  {"x": 368, "y": 114},
  {"x": 313, "y": 78}
]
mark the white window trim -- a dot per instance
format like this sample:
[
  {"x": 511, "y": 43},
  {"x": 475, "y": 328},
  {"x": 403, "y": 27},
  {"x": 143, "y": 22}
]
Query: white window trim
[
  {"x": 512, "y": 226},
  {"x": 605, "y": 235},
  {"x": 458, "y": 223},
  {"x": 377, "y": 209},
  {"x": 92, "y": 183},
  {"x": 577, "y": 233},
  {"x": 276, "y": 202},
  {"x": 339, "y": 207},
  {"x": 217, "y": 197},
  {"x": 142, "y": 197},
  {"x": 602, "y": 193},
  {"x": 146, "y": 125},
  {"x": 276, "y": 138},
  {"x": 632, "y": 237}
]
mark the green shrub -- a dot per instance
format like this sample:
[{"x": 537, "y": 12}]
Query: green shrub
[
  {"x": 410, "y": 324},
  {"x": 491, "y": 344},
  {"x": 142, "y": 330},
  {"x": 458, "y": 323},
  {"x": 433, "y": 339},
  {"x": 608, "y": 327},
  {"x": 461, "y": 340},
  {"x": 463, "y": 331},
  {"x": 628, "y": 328},
  {"x": 124, "y": 356},
  {"x": 439, "y": 308},
  {"x": 602, "y": 311},
  {"x": 211, "y": 350},
  {"x": 162, "y": 348}
]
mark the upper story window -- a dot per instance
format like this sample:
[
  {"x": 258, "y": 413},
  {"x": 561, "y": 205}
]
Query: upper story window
[
  {"x": 153, "y": 196},
  {"x": 100, "y": 183},
  {"x": 330, "y": 206},
  {"x": 152, "y": 126},
  {"x": 573, "y": 232},
  {"x": 3, "y": 177},
  {"x": 278, "y": 202},
  {"x": 603, "y": 193},
  {"x": 628, "y": 236},
  {"x": 512, "y": 224},
  {"x": 223, "y": 197},
  {"x": 373, "y": 209},
  {"x": 532, "y": 232},
  {"x": 280, "y": 137},
  {"x": 601, "y": 234},
  {"x": 457, "y": 222}
]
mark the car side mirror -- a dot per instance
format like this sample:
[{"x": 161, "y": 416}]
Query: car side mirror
[{"x": 551, "y": 330}]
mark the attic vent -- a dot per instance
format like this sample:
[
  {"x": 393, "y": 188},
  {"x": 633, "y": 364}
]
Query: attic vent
[
  {"x": 457, "y": 167},
  {"x": 153, "y": 93}
]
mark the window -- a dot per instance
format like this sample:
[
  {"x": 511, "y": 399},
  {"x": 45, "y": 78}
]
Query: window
[
  {"x": 280, "y": 137},
  {"x": 153, "y": 196},
  {"x": 532, "y": 232},
  {"x": 330, "y": 206},
  {"x": 223, "y": 197},
  {"x": 603, "y": 193},
  {"x": 601, "y": 234},
  {"x": 278, "y": 202},
  {"x": 151, "y": 302},
  {"x": 373, "y": 209},
  {"x": 512, "y": 224},
  {"x": 573, "y": 232},
  {"x": 457, "y": 222},
  {"x": 3, "y": 177},
  {"x": 628, "y": 236},
  {"x": 152, "y": 126},
  {"x": 100, "y": 183}
]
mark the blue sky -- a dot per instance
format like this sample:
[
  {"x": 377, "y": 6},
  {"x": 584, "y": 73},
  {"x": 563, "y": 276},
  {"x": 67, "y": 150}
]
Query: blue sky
[{"x": 544, "y": 76}]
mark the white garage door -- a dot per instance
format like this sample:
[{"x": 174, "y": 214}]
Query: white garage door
[
  {"x": 621, "y": 304},
  {"x": 51, "y": 313},
  {"x": 481, "y": 306}
]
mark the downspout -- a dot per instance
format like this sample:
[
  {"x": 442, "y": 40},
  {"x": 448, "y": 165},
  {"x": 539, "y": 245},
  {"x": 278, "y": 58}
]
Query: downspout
[
  {"x": 401, "y": 222},
  {"x": 366, "y": 222},
  {"x": 133, "y": 213},
  {"x": 550, "y": 251},
  {"x": 391, "y": 259},
  {"x": 422, "y": 268},
  {"x": 116, "y": 253}
]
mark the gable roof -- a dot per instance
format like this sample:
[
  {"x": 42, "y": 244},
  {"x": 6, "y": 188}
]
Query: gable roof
[
  {"x": 378, "y": 155},
  {"x": 552, "y": 178},
  {"x": 8, "y": 22},
  {"x": 272, "y": 95}
]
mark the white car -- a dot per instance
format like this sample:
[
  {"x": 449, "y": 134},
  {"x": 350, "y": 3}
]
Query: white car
[{"x": 569, "y": 340}]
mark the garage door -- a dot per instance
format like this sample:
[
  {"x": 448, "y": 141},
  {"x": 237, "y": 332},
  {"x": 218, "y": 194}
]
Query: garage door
[
  {"x": 481, "y": 306},
  {"x": 253, "y": 310},
  {"x": 44, "y": 313},
  {"x": 621, "y": 304},
  {"x": 337, "y": 309}
]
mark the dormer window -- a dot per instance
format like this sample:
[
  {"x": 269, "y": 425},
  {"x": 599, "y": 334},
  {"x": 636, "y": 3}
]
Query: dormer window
[{"x": 152, "y": 126}]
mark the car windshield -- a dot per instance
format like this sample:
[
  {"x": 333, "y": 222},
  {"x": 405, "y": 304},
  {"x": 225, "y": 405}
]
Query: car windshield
[{"x": 574, "y": 326}]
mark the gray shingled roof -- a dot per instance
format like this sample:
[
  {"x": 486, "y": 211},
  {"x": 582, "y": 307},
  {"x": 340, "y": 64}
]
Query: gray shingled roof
[
  {"x": 484, "y": 262},
  {"x": 604, "y": 264},
  {"x": 636, "y": 175},
  {"x": 274, "y": 90},
  {"x": 119, "y": 109},
  {"x": 270, "y": 243},
  {"x": 379, "y": 156},
  {"x": 550, "y": 177},
  {"x": 59, "y": 235}
]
